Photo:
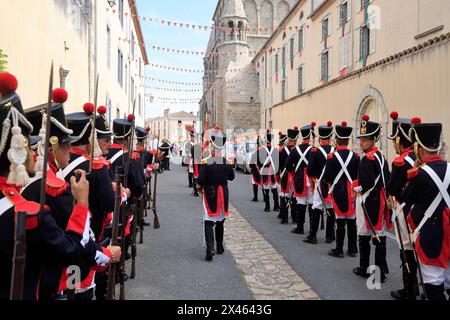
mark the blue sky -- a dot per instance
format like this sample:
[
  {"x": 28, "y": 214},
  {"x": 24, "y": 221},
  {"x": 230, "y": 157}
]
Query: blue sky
[{"x": 155, "y": 33}]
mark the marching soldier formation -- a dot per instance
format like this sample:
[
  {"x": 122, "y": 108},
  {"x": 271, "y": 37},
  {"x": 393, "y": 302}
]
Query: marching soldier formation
[
  {"x": 362, "y": 199},
  {"x": 71, "y": 199},
  {"x": 75, "y": 193}
]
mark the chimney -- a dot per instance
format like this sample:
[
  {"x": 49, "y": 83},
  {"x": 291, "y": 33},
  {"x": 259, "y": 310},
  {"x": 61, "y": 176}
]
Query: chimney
[{"x": 166, "y": 112}]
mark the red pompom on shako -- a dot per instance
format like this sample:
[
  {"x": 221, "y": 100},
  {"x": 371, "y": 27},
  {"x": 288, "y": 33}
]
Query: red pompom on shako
[
  {"x": 59, "y": 95},
  {"x": 296, "y": 128},
  {"x": 329, "y": 123},
  {"x": 148, "y": 129},
  {"x": 366, "y": 117},
  {"x": 89, "y": 108},
  {"x": 280, "y": 133},
  {"x": 101, "y": 110},
  {"x": 344, "y": 123},
  {"x": 416, "y": 120},
  {"x": 131, "y": 117},
  {"x": 313, "y": 123},
  {"x": 394, "y": 115},
  {"x": 8, "y": 83}
]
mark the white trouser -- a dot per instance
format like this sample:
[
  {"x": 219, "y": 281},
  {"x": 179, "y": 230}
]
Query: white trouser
[
  {"x": 207, "y": 217},
  {"x": 436, "y": 275},
  {"x": 317, "y": 202}
]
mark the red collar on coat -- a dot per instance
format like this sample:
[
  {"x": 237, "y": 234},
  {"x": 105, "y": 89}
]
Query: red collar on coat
[
  {"x": 341, "y": 148},
  {"x": 5, "y": 185},
  {"x": 432, "y": 159}
]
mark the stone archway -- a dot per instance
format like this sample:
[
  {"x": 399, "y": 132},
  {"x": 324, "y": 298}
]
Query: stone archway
[{"x": 371, "y": 102}]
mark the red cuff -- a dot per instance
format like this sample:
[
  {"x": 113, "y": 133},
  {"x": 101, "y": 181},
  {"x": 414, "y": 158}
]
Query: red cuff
[
  {"x": 79, "y": 220},
  {"x": 355, "y": 183}
]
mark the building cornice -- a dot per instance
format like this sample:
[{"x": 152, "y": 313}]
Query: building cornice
[{"x": 137, "y": 26}]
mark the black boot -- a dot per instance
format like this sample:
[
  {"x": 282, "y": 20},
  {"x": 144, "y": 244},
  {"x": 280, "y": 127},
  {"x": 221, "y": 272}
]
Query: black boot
[
  {"x": 266, "y": 201},
  {"x": 381, "y": 246},
  {"x": 209, "y": 239},
  {"x": 190, "y": 179},
  {"x": 322, "y": 222},
  {"x": 301, "y": 211},
  {"x": 435, "y": 292},
  {"x": 340, "y": 236},
  {"x": 330, "y": 230},
  {"x": 276, "y": 206},
  {"x": 352, "y": 247},
  {"x": 294, "y": 212},
  {"x": 284, "y": 210},
  {"x": 314, "y": 226},
  {"x": 410, "y": 289},
  {"x": 448, "y": 293},
  {"x": 364, "y": 257},
  {"x": 219, "y": 237},
  {"x": 380, "y": 256},
  {"x": 255, "y": 193}
]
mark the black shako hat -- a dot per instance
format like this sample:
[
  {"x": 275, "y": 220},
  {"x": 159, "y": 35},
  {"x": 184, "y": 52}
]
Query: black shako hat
[
  {"x": 400, "y": 129},
  {"x": 308, "y": 131},
  {"x": 101, "y": 124},
  {"x": 141, "y": 133},
  {"x": 293, "y": 134},
  {"x": 343, "y": 131},
  {"x": 369, "y": 129},
  {"x": 14, "y": 128},
  {"x": 282, "y": 137},
  {"x": 81, "y": 124},
  {"x": 326, "y": 131},
  {"x": 426, "y": 135},
  {"x": 58, "y": 125},
  {"x": 122, "y": 128}
]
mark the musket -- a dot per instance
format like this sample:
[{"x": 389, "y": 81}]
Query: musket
[
  {"x": 133, "y": 208},
  {"x": 323, "y": 201},
  {"x": 363, "y": 205},
  {"x": 399, "y": 232},
  {"x": 114, "y": 236},
  {"x": 47, "y": 142},
  {"x": 155, "y": 211},
  {"x": 93, "y": 131},
  {"x": 19, "y": 257},
  {"x": 143, "y": 200}
]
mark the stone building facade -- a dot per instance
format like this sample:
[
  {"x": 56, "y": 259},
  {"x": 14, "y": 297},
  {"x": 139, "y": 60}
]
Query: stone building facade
[{"x": 230, "y": 81}]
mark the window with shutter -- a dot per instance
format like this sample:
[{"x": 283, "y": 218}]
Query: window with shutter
[
  {"x": 324, "y": 29},
  {"x": 292, "y": 53},
  {"x": 300, "y": 40},
  {"x": 300, "y": 80},
  {"x": 283, "y": 58},
  {"x": 365, "y": 41},
  {"x": 283, "y": 90},
  {"x": 324, "y": 66},
  {"x": 276, "y": 63},
  {"x": 343, "y": 52},
  {"x": 343, "y": 14}
]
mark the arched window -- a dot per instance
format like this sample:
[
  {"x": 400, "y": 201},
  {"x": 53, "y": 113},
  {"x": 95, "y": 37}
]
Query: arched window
[
  {"x": 241, "y": 31},
  {"x": 230, "y": 31}
]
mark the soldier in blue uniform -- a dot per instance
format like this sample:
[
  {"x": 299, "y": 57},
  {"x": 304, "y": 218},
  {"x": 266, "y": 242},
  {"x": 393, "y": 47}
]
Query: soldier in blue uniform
[
  {"x": 341, "y": 170},
  {"x": 101, "y": 195},
  {"x": 45, "y": 241},
  {"x": 215, "y": 172},
  {"x": 372, "y": 191},
  {"x": 59, "y": 198},
  {"x": 119, "y": 154},
  {"x": 256, "y": 178},
  {"x": 397, "y": 183},
  {"x": 321, "y": 202},
  {"x": 428, "y": 195},
  {"x": 297, "y": 164},
  {"x": 267, "y": 163},
  {"x": 287, "y": 179}
]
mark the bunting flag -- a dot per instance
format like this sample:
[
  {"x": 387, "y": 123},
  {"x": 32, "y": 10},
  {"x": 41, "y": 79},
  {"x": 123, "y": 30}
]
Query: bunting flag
[
  {"x": 180, "y": 69},
  {"x": 204, "y": 27},
  {"x": 343, "y": 72}
]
